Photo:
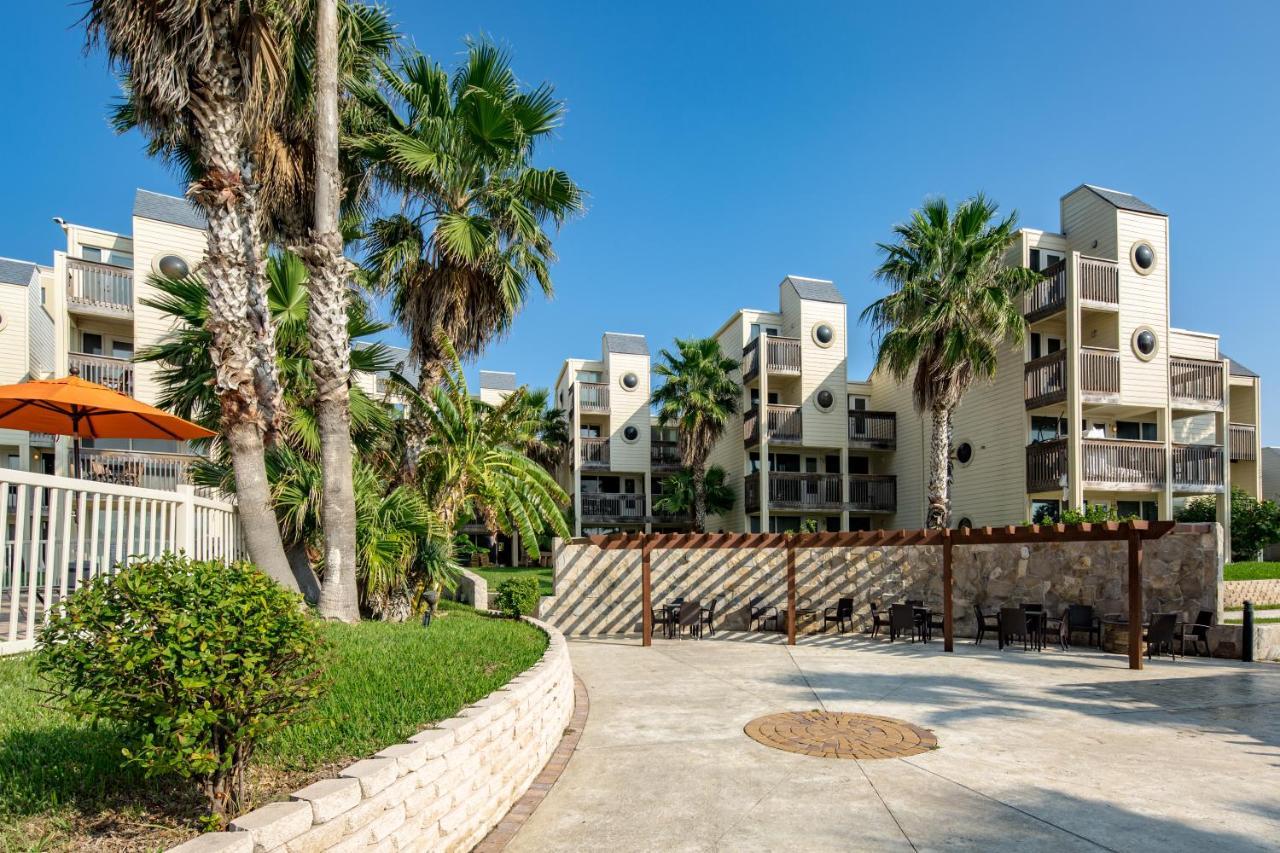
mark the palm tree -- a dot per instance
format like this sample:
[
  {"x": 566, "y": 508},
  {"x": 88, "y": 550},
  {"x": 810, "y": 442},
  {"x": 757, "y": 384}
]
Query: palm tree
[
  {"x": 679, "y": 493},
  {"x": 471, "y": 235},
  {"x": 698, "y": 395},
  {"x": 954, "y": 305},
  {"x": 549, "y": 428},
  {"x": 210, "y": 72}
]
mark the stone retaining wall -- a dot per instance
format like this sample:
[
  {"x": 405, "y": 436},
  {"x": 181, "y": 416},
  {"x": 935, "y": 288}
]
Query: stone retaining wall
[
  {"x": 443, "y": 790},
  {"x": 1236, "y": 593},
  {"x": 598, "y": 591}
]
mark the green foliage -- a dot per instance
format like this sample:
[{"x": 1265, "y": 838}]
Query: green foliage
[
  {"x": 1255, "y": 524},
  {"x": 678, "y": 493},
  {"x": 544, "y": 574},
  {"x": 518, "y": 596},
  {"x": 196, "y": 661},
  {"x": 809, "y": 525},
  {"x": 1092, "y": 514}
]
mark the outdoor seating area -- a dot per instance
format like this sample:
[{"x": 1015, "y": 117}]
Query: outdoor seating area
[{"x": 681, "y": 615}]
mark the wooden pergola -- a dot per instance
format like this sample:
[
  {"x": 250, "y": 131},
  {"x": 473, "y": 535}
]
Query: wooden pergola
[{"x": 1133, "y": 532}]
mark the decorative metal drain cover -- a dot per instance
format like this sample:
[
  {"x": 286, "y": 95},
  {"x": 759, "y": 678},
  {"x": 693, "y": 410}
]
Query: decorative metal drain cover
[{"x": 835, "y": 734}]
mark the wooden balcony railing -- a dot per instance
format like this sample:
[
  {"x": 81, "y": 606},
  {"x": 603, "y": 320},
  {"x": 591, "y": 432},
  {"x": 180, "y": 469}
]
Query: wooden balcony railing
[
  {"x": 604, "y": 505},
  {"x": 1243, "y": 442},
  {"x": 164, "y": 471},
  {"x": 1198, "y": 467},
  {"x": 796, "y": 491},
  {"x": 1046, "y": 465},
  {"x": 593, "y": 397},
  {"x": 784, "y": 425},
  {"x": 1124, "y": 464},
  {"x": 100, "y": 286},
  {"x": 873, "y": 493},
  {"x": 594, "y": 452},
  {"x": 1049, "y": 296},
  {"x": 1044, "y": 379},
  {"x": 875, "y": 430},
  {"x": 1099, "y": 371},
  {"x": 664, "y": 455},
  {"x": 1196, "y": 382},
  {"x": 115, "y": 373},
  {"x": 783, "y": 355},
  {"x": 1099, "y": 280}
]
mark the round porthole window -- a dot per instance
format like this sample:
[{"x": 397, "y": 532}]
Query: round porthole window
[
  {"x": 823, "y": 334},
  {"x": 1143, "y": 257},
  {"x": 4, "y": 320},
  {"x": 1145, "y": 343},
  {"x": 825, "y": 400},
  {"x": 630, "y": 381},
  {"x": 173, "y": 267},
  {"x": 964, "y": 523},
  {"x": 964, "y": 453},
  {"x": 630, "y": 433}
]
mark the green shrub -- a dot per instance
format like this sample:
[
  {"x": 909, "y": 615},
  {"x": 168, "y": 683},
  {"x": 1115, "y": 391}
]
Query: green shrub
[
  {"x": 196, "y": 661},
  {"x": 518, "y": 596},
  {"x": 1255, "y": 524}
]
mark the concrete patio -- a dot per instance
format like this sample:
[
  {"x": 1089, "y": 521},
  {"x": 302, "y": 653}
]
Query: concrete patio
[{"x": 1048, "y": 750}]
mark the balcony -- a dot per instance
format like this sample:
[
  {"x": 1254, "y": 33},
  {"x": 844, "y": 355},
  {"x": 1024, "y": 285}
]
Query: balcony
[
  {"x": 605, "y": 506},
  {"x": 1196, "y": 383},
  {"x": 664, "y": 456},
  {"x": 873, "y": 430},
  {"x": 1045, "y": 378},
  {"x": 1098, "y": 282},
  {"x": 783, "y": 357},
  {"x": 99, "y": 290},
  {"x": 594, "y": 452},
  {"x": 796, "y": 491},
  {"x": 164, "y": 471},
  {"x": 1049, "y": 296},
  {"x": 1108, "y": 463},
  {"x": 1243, "y": 442},
  {"x": 593, "y": 398},
  {"x": 115, "y": 373},
  {"x": 1197, "y": 468},
  {"x": 784, "y": 425}
]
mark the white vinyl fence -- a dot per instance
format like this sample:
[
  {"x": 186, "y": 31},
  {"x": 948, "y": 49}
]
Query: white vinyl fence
[{"x": 58, "y": 532}]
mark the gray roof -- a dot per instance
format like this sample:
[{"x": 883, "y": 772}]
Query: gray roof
[
  {"x": 815, "y": 289},
  {"x": 16, "y": 272},
  {"x": 1124, "y": 201},
  {"x": 399, "y": 354},
  {"x": 625, "y": 344},
  {"x": 1238, "y": 369},
  {"x": 167, "y": 208},
  {"x": 497, "y": 380}
]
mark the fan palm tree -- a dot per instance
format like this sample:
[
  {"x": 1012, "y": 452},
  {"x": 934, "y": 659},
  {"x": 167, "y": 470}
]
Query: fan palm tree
[
  {"x": 679, "y": 493},
  {"x": 549, "y": 428},
  {"x": 698, "y": 395},
  {"x": 954, "y": 305},
  {"x": 471, "y": 236}
]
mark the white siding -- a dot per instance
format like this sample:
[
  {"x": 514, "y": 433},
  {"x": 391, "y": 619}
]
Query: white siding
[
  {"x": 1086, "y": 218},
  {"x": 151, "y": 240},
  {"x": 823, "y": 368},
  {"x": 628, "y": 408},
  {"x": 1144, "y": 301},
  {"x": 1193, "y": 344},
  {"x": 14, "y": 359},
  {"x": 39, "y": 328}
]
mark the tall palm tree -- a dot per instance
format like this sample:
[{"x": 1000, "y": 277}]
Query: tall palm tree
[
  {"x": 679, "y": 493},
  {"x": 548, "y": 437},
  {"x": 471, "y": 235},
  {"x": 210, "y": 72},
  {"x": 954, "y": 305},
  {"x": 698, "y": 395}
]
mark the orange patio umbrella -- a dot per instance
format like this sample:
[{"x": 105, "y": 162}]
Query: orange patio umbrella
[{"x": 75, "y": 407}]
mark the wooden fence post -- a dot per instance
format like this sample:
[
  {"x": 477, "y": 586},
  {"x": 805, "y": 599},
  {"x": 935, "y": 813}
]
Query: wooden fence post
[
  {"x": 1135, "y": 599},
  {"x": 646, "y": 597},
  {"x": 948, "y": 615},
  {"x": 791, "y": 593}
]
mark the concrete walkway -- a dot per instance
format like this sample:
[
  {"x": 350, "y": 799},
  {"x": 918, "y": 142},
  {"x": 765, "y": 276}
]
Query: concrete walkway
[{"x": 1037, "y": 751}]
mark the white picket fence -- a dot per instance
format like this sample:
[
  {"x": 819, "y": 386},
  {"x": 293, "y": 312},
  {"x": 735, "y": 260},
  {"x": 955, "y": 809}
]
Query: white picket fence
[{"x": 58, "y": 532}]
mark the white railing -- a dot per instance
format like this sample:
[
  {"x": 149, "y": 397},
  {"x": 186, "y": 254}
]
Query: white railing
[
  {"x": 60, "y": 532},
  {"x": 99, "y": 285}
]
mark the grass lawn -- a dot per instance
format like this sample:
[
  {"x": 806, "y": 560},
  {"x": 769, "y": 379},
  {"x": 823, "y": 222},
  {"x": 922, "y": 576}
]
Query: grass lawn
[
  {"x": 496, "y": 575},
  {"x": 61, "y": 786},
  {"x": 1266, "y": 620},
  {"x": 1252, "y": 571}
]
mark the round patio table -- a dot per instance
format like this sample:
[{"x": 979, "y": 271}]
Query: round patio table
[{"x": 1114, "y": 636}]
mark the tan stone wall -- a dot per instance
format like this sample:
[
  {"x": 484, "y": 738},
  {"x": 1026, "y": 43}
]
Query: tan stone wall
[
  {"x": 598, "y": 592},
  {"x": 1236, "y": 593},
  {"x": 443, "y": 790}
]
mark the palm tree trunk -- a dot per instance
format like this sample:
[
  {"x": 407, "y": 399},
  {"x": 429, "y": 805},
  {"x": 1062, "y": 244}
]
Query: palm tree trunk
[
  {"x": 236, "y": 347},
  {"x": 330, "y": 345},
  {"x": 699, "y": 498},
  {"x": 939, "y": 513}
]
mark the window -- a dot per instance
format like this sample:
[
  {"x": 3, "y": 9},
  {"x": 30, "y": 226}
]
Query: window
[
  {"x": 859, "y": 465},
  {"x": 1042, "y": 344},
  {"x": 964, "y": 453},
  {"x": 857, "y": 403},
  {"x": 755, "y": 397},
  {"x": 630, "y": 432},
  {"x": 810, "y": 465},
  {"x": 784, "y": 462},
  {"x": 1146, "y": 510},
  {"x": 91, "y": 253},
  {"x": 1047, "y": 429},
  {"x": 1043, "y": 259},
  {"x": 1045, "y": 512},
  {"x": 589, "y": 430},
  {"x": 825, "y": 400},
  {"x": 832, "y": 464},
  {"x": 859, "y": 522},
  {"x": 771, "y": 331},
  {"x": 122, "y": 349},
  {"x": 590, "y": 376},
  {"x": 1136, "y": 431},
  {"x": 833, "y": 524},
  {"x": 91, "y": 343}
]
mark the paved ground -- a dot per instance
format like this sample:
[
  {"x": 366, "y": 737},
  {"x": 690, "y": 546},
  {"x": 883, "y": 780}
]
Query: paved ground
[{"x": 1037, "y": 751}]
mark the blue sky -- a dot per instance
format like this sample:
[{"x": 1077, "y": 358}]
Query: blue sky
[{"x": 725, "y": 145}]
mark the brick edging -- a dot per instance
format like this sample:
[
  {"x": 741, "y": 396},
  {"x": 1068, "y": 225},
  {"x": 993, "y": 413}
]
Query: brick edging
[{"x": 500, "y": 836}]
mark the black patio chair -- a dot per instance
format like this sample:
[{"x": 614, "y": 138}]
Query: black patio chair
[
  {"x": 709, "y": 614},
  {"x": 690, "y": 616},
  {"x": 902, "y": 619},
  {"x": 762, "y": 614},
  {"x": 878, "y": 619},
  {"x": 986, "y": 622},
  {"x": 936, "y": 620},
  {"x": 1081, "y": 620},
  {"x": 661, "y": 617},
  {"x": 1013, "y": 625},
  {"x": 841, "y": 613},
  {"x": 1035, "y": 622},
  {"x": 1160, "y": 633},
  {"x": 1198, "y": 631}
]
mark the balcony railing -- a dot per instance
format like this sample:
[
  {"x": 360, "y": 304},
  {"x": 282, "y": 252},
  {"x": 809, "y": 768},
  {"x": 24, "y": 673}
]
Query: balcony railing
[
  {"x": 620, "y": 507},
  {"x": 1114, "y": 463},
  {"x": 164, "y": 471},
  {"x": 1197, "y": 467},
  {"x": 1046, "y": 465},
  {"x": 115, "y": 373},
  {"x": 1045, "y": 378},
  {"x": 784, "y": 425},
  {"x": 1049, "y": 296},
  {"x": 873, "y": 493},
  {"x": 1244, "y": 442},
  {"x": 594, "y": 452},
  {"x": 874, "y": 430},
  {"x": 1099, "y": 281},
  {"x": 797, "y": 491},
  {"x": 593, "y": 397},
  {"x": 99, "y": 286},
  {"x": 783, "y": 355},
  {"x": 1196, "y": 382},
  {"x": 1099, "y": 371},
  {"x": 664, "y": 455}
]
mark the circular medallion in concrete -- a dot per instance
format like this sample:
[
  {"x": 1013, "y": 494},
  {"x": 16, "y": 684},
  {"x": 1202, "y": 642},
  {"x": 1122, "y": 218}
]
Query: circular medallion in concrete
[{"x": 836, "y": 734}]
